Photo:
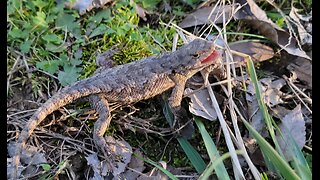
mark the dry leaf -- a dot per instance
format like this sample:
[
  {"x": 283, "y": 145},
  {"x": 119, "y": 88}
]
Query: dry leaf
[
  {"x": 201, "y": 16},
  {"x": 259, "y": 52},
  {"x": 29, "y": 155},
  {"x": 141, "y": 12},
  {"x": 252, "y": 11},
  {"x": 304, "y": 36},
  {"x": 292, "y": 126},
  {"x": 302, "y": 69},
  {"x": 279, "y": 111},
  {"x": 255, "y": 16},
  {"x": 137, "y": 165},
  {"x": 254, "y": 113},
  {"x": 100, "y": 169},
  {"x": 122, "y": 150},
  {"x": 270, "y": 90},
  {"x": 272, "y": 93},
  {"x": 121, "y": 154},
  {"x": 200, "y": 104}
]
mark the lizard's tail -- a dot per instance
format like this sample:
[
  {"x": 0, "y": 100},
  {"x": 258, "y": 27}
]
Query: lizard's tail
[{"x": 64, "y": 97}]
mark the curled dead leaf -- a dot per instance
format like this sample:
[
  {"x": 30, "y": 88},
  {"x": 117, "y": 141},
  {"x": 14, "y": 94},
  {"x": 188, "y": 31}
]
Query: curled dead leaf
[
  {"x": 202, "y": 16},
  {"x": 200, "y": 104},
  {"x": 258, "y": 52},
  {"x": 305, "y": 37},
  {"x": 254, "y": 15},
  {"x": 302, "y": 69},
  {"x": 141, "y": 12}
]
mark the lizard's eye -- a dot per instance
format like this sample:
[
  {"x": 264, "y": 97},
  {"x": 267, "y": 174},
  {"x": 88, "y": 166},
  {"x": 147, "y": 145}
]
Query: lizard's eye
[
  {"x": 196, "y": 55},
  {"x": 173, "y": 71}
]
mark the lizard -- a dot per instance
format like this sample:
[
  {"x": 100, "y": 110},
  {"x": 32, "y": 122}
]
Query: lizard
[{"x": 127, "y": 84}]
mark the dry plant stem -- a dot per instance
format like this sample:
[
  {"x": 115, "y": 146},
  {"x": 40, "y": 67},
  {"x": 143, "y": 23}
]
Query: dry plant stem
[
  {"x": 209, "y": 85},
  {"x": 231, "y": 103},
  {"x": 10, "y": 74},
  {"x": 239, "y": 139},
  {"x": 229, "y": 95},
  {"x": 76, "y": 143},
  {"x": 223, "y": 124},
  {"x": 294, "y": 88}
]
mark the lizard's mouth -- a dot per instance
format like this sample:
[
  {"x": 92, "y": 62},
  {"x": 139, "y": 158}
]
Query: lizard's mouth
[{"x": 212, "y": 57}]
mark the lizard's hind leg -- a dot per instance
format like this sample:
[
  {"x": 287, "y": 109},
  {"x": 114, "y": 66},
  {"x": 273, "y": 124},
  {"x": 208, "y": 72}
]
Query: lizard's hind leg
[{"x": 101, "y": 105}]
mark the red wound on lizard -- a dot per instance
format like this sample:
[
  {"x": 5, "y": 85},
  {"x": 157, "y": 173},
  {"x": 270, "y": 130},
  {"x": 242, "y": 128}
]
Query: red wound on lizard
[{"x": 213, "y": 56}]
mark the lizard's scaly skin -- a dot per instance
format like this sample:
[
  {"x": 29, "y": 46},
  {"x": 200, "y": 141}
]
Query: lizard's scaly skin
[{"x": 131, "y": 83}]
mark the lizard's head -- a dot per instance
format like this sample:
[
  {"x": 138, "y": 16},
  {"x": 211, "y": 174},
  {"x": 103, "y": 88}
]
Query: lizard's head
[{"x": 198, "y": 54}]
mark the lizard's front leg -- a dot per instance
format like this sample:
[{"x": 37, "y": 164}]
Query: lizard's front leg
[
  {"x": 180, "y": 114},
  {"x": 100, "y": 104}
]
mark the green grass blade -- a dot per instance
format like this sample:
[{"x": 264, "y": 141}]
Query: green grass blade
[
  {"x": 213, "y": 165},
  {"x": 299, "y": 161},
  {"x": 267, "y": 118},
  {"x": 166, "y": 172},
  {"x": 192, "y": 154},
  {"x": 212, "y": 150},
  {"x": 279, "y": 162},
  {"x": 194, "y": 157}
]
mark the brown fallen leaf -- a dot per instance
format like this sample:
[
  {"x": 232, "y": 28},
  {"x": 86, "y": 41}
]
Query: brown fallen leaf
[
  {"x": 30, "y": 156},
  {"x": 270, "y": 90},
  {"x": 258, "y": 52},
  {"x": 292, "y": 127},
  {"x": 305, "y": 37},
  {"x": 136, "y": 166},
  {"x": 201, "y": 16},
  {"x": 256, "y": 17},
  {"x": 252, "y": 11},
  {"x": 302, "y": 69},
  {"x": 200, "y": 104},
  {"x": 121, "y": 152},
  {"x": 139, "y": 10}
]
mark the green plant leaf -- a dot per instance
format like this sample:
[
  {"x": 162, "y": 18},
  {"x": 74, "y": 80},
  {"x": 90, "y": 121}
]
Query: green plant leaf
[
  {"x": 213, "y": 165},
  {"x": 49, "y": 66},
  {"x": 67, "y": 21},
  {"x": 150, "y": 4},
  {"x": 40, "y": 20},
  {"x": 39, "y": 3},
  {"x": 166, "y": 172},
  {"x": 17, "y": 33},
  {"x": 46, "y": 167},
  {"x": 134, "y": 36},
  {"x": 212, "y": 150},
  {"x": 69, "y": 75},
  {"x": 110, "y": 31},
  {"x": 104, "y": 14},
  {"x": 25, "y": 46},
  {"x": 75, "y": 61},
  {"x": 98, "y": 31},
  {"x": 279, "y": 162},
  {"x": 52, "y": 38},
  {"x": 55, "y": 48}
]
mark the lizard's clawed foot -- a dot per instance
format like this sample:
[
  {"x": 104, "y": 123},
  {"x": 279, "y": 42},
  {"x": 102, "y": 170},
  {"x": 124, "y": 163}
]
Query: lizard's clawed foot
[{"x": 183, "y": 124}]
